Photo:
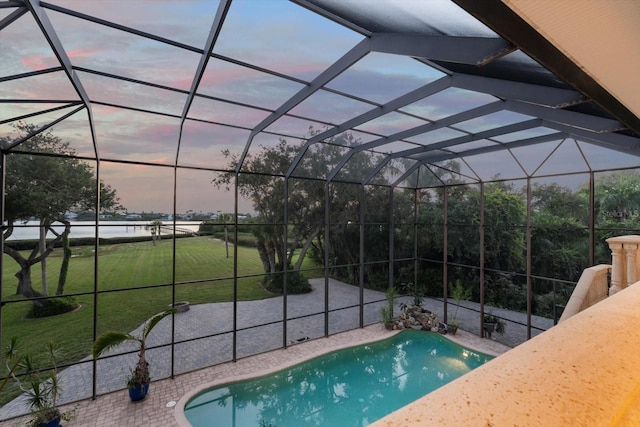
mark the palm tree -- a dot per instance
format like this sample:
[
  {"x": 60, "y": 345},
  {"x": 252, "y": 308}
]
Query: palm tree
[
  {"x": 41, "y": 386},
  {"x": 140, "y": 375},
  {"x": 156, "y": 230}
]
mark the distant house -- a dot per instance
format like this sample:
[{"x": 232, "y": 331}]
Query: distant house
[{"x": 133, "y": 216}]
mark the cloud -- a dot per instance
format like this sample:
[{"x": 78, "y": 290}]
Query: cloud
[
  {"x": 39, "y": 62},
  {"x": 280, "y": 36}
]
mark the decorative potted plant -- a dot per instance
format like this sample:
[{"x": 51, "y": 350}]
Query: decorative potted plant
[
  {"x": 458, "y": 293},
  {"x": 138, "y": 381},
  {"x": 418, "y": 298},
  {"x": 386, "y": 311},
  {"x": 387, "y": 319},
  {"x": 42, "y": 385},
  {"x": 492, "y": 324}
]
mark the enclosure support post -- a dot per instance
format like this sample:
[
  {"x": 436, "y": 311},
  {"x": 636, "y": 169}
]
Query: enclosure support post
[
  {"x": 285, "y": 267},
  {"x": 235, "y": 272},
  {"x": 326, "y": 259},
  {"x": 592, "y": 219},
  {"x": 361, "y": 219},
  {"x": 445, "y": 246},
  {"x": 415, "y": 240},
  {"x": 3, "y": 176},
  {"x": 391, "y": 228},
  {"x": 529, "y": 267},
  {"x": 481, "y": 261}
]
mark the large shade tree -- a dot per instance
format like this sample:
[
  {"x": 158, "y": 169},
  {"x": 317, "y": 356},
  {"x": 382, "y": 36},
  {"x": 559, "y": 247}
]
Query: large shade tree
[
  {"x": 44, "y": 180},
  {"x": 267, "y": 193},
  {"x": 618, "y": 199},
  {"x": 306, "y": 192},
  {"x": 617, "y": 208},
  {"x": 560, "y": 237}
]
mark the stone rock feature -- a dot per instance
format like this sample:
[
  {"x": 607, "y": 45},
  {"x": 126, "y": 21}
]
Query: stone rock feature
[{"x": 416, "y": 317}]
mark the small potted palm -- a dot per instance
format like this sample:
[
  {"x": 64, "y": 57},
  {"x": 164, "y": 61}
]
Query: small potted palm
[
  {"x": 40, "y": 386},
  {"x": 386, "y": 311},
  {"x": 138, "y": 381},
  {"x": 459, "y": 293}
]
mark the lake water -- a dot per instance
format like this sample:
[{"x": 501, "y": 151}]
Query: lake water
[{"x": 107, "y": 229}]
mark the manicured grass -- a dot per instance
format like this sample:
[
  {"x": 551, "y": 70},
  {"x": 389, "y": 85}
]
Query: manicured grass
[{"x": 142, "y": 266}]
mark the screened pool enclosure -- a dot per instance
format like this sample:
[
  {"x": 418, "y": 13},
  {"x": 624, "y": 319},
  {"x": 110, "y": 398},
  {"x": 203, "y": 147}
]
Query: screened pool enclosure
[{"x": 226, "y": 152}]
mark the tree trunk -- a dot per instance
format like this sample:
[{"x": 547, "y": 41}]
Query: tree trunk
[
  {"x": 25, "y": 287},
  {"x": 305, "y": 248},
  {"x": 24, "y": 282},
  {"x": 271, "y": 256},
  {"x": 64, "y": 267},
  {"x": 264, "y": 256},
  {"x": 43, "y": 263},
  {"x": 281, "y": 256},
  {"x": 24, "y": 275}
]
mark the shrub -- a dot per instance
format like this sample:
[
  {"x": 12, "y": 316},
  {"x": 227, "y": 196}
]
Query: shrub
[
  {"x": 296, "y": 283},
  {"x": 53, "y": 307}
]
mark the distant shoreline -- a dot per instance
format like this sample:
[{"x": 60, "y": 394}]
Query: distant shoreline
[{"x": 107, "y": 229}]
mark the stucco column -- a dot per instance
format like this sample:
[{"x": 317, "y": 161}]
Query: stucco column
[
  {"x": 625, "y": 261},
  {"x": 630, "y": 252},
  {"x": 617, "y": 267}
]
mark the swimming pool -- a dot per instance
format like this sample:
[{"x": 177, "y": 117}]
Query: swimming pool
[{"x": 350, "y": 387}]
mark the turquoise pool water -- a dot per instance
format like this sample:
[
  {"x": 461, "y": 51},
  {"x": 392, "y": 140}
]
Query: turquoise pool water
[{"x": 351, "y": 387}]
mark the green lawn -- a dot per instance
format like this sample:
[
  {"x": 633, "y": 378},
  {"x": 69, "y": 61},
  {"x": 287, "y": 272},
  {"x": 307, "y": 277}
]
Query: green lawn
[{"x": 128, "y": 265}]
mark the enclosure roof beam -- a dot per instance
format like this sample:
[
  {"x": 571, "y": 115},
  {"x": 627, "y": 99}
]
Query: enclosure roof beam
[
  {"x": 37, "y": 113},
  {"x": 438, "y": 124},
  {"x": 498, "y": 15},
  {"x": 516, "y": 127},
  {"x": 526, "y": 92},
  {"x": 399, "y": 102},
  {"x": 570, "y": 118},
  {"x": 216, "y": 26},
  {"x": 447, "y": 121},
  {"x": 120, "y": 27},
  {"x": 332, "y": 16},
  {"x": 407, "y": 173},
  {"x": 463, "y": 50},
  {"x": 490, "y": 133},
  {"x": 43, "y": 22},
  {"x": 41, "y": 129},
  {"x": 7, "y": 20},
  {"x": 613, "y": 141},
  {"x": 342, "y": 64},
  {"x": 498, "y": 147},
  {"x": 49, "y": 33}
]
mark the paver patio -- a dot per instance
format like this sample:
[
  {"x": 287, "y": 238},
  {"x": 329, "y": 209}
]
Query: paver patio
[{"x": 112, "y": 406}]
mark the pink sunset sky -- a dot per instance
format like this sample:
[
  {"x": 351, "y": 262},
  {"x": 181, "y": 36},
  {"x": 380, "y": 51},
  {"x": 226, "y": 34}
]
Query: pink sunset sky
[{"x": 269, "y": 34}]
